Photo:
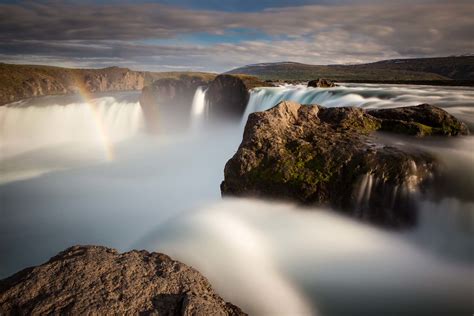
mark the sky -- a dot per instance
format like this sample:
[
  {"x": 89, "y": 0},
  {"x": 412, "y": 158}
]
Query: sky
[{"x": 218, "y": 35}]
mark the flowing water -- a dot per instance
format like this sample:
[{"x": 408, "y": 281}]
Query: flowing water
[{"x": 82, "y": 171}]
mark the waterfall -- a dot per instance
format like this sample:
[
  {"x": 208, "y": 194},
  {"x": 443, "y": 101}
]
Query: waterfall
[
  {"x": 262, "y": 99},
  {"x": 25, "y": 127},
  {"x": 364, "y": 95},
  {"x": 199, "y": 107}
]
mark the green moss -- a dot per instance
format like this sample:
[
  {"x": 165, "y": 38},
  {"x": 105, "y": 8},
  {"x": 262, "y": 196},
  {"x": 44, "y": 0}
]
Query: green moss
[
  {"x": 300, "y": 167},
  {"x": 370, "y": 125},
  {"x": 425, "y": 130}
]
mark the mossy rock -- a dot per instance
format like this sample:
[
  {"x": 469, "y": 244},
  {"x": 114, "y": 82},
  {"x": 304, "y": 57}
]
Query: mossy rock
[{"x": 330, "y": 156}]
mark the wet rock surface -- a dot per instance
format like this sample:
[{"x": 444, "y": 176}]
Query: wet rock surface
[
  {"x": 331, "y": 156},
  {"x": 100, "y": 281}
]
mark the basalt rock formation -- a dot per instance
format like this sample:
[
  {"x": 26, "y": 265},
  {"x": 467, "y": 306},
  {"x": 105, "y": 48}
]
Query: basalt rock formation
[
  {"x": 321, "y": 83},
  {"x": 96, "y": 280},
  {"x": 330, "y": 156}
]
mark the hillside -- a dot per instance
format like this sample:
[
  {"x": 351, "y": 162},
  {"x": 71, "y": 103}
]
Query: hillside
[{"x": 441, "y": 70}]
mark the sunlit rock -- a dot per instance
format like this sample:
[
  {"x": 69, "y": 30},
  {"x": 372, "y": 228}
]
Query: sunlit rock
[{"x": 98, "y": 280}]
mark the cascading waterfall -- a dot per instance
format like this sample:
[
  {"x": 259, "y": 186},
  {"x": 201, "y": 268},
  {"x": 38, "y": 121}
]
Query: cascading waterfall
[
  {"x": 453, "y": 99},
  {"x": 162, "y": 194},
  {"x": 28, "y": 127},
  {"x": 199, "y": 108}
]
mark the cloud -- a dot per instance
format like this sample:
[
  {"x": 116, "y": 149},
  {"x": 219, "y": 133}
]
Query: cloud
[{"x": 319, "y": 34}]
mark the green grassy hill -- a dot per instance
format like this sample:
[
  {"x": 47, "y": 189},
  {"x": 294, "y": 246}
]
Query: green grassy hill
[{"x": 440, "y": 69}]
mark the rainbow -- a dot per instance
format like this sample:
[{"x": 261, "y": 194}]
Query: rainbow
[{"x": 99, "y": 122}]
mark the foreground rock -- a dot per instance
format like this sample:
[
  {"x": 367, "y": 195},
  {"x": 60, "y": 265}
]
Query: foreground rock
[
  {"x": 321, "y": 83},
  {"x": 328, "y": 156},
  {"x": 98, "y": 280}
]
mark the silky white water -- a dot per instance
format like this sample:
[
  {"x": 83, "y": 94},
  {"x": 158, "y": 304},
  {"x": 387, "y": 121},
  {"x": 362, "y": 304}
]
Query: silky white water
[
  {"x": 59, "y": 188},
  {"x": 199, "y": 108},
  {"x": 456, "y": 100}
]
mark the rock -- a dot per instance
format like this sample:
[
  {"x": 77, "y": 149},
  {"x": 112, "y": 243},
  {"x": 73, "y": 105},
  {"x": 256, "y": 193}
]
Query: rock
[
  {"x": 148, "y": 103},
  {"x": 330, "y": 156},
  {"x": 421, "y": 120},
  {"x": 321, "y": 83},
  {"x": 172, "y": 98},
  {"x": 227, "y": 97},
  {"x": 98, "y": 280},
  {"x": 172, "y": 91}
]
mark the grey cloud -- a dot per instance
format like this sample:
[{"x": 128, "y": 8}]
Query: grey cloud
[{"x": 313, "y": 34}]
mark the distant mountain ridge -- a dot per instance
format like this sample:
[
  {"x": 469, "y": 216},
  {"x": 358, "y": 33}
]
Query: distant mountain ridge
[{"x": 458, "y": 68}]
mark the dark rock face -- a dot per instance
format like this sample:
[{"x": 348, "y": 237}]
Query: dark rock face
[
  {"x": 98, "y": 280},
  {"x": 420, "y": 120},
  {"x": 148, "y": 103},
  {"x": 327, "y": 156},
  {"x": 169, "y": 101},
  {"x": 227, "y": 97},
  {"x": 321, "y": 83},
  {"x": 177, "y": 91}
]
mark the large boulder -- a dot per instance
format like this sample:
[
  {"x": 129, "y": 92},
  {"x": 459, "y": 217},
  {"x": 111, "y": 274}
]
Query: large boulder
[
  {"x": 227, "y": 97},
  {"x": 330, "y": 156},
  {"x": 321, "y": 83},
  {"x": 92, "y": 280}
]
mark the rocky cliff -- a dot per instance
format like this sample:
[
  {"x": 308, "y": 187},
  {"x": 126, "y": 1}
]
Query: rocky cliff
[
  {"x": 92, "y": 280},
  {"x": 19, "y": 82},
  {"x": 331, "y": 156}
]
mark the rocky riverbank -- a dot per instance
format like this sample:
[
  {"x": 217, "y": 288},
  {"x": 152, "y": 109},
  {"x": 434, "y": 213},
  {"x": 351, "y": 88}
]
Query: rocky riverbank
[
  {"x": 98, "y": 280},
  {"x": 331, "y": 156}
]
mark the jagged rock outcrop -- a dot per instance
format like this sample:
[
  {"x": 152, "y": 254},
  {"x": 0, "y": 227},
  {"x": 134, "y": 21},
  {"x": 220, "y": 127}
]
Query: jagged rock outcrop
[
  {"x": 227, "y": 97},
  {"x": 330, "y": 156},
  {"x": 85, "y": 280},
  {"x": 321, "y": 83}
]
